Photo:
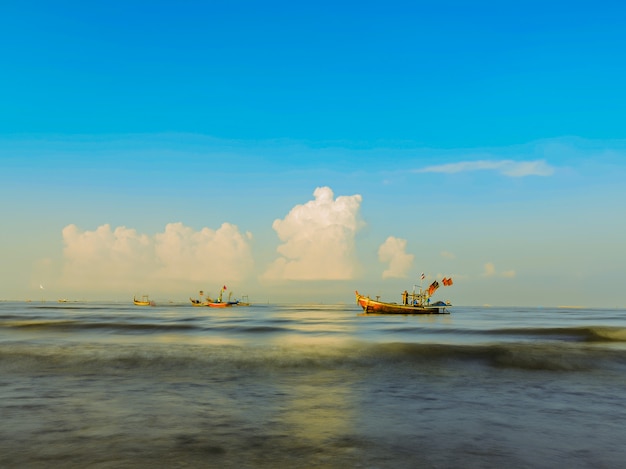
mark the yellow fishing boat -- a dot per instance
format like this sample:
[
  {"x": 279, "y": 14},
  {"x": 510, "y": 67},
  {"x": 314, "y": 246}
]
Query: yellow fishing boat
[{"x": 145, "y": 301}]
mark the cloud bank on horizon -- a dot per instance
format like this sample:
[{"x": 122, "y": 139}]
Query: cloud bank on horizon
[
  {"x": 318, "y": 243},
  {"x": 112, "y": 259}
]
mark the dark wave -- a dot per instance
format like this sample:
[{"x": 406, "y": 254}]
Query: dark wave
[
  {"x": 76, "y": 307},
  {"x": 70, "y": 325},
  {"x": 528, "y": 356},
  {"x": 248, "y": 329},
  {"x": 188, "y": 324},
  {"x": 401, "y": 357},
  {"x": 574, "y": 334},
  {"x": 585, "y": 334}
]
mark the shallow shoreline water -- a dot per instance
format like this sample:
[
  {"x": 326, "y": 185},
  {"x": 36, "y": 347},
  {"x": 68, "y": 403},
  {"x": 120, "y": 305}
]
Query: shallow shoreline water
[{"x": 113, "y": 385}]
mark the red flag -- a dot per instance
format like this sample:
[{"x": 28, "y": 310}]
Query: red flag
[
  {"x": 449, "y": 281},
  {"x": 433, "y": 286},
  {"x": 224, "y": 287}
]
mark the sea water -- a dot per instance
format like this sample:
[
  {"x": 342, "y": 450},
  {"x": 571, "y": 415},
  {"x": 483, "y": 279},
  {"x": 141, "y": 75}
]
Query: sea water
[{"x": 114, "y": 385}]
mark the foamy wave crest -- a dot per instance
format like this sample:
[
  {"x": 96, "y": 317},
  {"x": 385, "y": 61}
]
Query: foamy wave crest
[
  {"x": 579, "y": 334},
  {"x": 612, "y": 334}
]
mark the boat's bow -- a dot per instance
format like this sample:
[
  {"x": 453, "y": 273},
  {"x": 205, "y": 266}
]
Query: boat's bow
[{"x": 361, "y": 300}]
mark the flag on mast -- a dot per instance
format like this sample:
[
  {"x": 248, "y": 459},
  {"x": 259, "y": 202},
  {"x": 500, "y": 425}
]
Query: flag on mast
[{"x": 433, "y": 286}]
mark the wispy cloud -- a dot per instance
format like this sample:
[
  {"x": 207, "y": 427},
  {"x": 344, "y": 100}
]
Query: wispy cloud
[
  {"x": 447, "y": 255},
  {"x": 393, "y": 251},
  {"x": 509, "y": 168},
  {"x": 318, "y": 239},
  {"x": 490, "y": 271}
]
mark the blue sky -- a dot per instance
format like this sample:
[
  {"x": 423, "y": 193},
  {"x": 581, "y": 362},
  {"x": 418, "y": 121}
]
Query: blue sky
[{"x": 300, "y": 152}]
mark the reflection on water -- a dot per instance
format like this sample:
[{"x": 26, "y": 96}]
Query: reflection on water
[{"x": 319, "y": 407}]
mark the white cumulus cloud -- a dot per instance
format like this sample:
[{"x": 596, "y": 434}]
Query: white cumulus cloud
[
  {"x": 393, "y": 251},
  {"x": 121, "y": 259},
  {"x": 197, "y": 255},
  {"x": 318, "y": 239},
  {"x": 509, "y": 168}
]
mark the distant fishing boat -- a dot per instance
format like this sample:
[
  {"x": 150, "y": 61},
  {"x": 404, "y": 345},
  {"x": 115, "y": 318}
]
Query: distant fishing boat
[
  {"x": 412, "y": 303},
  {"x": 145, "y": 301},
  {"x": 222, "y": 304},
  {"x": 216, "y": 304},
  {"x": 201, "y": 301},
  {"x": 244, "y": 301},
  {"x": 219, "y": 303}
]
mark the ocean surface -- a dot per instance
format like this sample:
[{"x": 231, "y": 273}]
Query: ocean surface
[{"x": 112, "y": 385}]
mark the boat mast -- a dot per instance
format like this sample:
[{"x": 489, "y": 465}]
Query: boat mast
[{"x": 419, "y": 297}]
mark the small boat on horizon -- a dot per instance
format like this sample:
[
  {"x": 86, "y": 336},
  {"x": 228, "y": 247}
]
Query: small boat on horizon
[
  {"x": 219, "y": 303},
  {"x": 145, "y": 301},
  {"x": 244, "y": 301}
]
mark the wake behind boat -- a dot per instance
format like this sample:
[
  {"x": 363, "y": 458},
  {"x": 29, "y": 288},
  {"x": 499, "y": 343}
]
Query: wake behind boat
[{"x": 412, "y": 303}]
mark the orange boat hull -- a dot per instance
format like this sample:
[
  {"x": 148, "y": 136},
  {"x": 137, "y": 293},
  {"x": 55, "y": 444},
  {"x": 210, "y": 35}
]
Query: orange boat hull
[{"x": 380, "y": 307}]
